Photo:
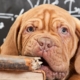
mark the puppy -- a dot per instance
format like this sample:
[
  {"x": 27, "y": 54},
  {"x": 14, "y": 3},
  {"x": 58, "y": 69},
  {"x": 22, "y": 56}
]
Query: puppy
[{"x": 49, "y": 32}]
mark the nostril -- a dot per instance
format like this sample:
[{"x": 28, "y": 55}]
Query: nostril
[
  {"x": 44, "y": 42},
  {"x": 49, "y": 45},
  {"x": 41, "y": 44}
]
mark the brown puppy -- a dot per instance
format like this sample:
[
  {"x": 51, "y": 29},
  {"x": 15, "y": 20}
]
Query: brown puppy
[{"x": 49, "y": 32}]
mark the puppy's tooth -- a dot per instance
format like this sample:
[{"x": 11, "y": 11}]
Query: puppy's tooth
[
  {"x": 40, "y": 63},
  {"x": 59, "y": 75},
  {"x": 63, "y": 74},
  {"x": 37, "y": 58},
  {"x": 54, "y": 74}
]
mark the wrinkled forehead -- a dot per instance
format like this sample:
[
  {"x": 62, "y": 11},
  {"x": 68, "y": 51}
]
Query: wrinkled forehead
[
  {"x": 54, "y": 10},
  {"x": 47, "y": 14}
]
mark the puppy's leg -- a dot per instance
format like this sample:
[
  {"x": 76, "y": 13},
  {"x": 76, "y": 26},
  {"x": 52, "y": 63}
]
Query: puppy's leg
[{"x": 75, "y": 77}]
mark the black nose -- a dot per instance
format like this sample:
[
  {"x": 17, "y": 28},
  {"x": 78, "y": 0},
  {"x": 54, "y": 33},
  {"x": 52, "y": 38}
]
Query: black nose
[{"x": 45, "y": 42}]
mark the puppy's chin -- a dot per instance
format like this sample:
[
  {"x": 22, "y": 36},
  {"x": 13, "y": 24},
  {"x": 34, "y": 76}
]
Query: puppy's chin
[{"x": 51, "y": 74}]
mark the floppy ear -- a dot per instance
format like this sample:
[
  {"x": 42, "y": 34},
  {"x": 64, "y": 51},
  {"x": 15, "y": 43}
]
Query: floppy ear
[
  {"x": 77, "y": 58},
  {"x": 0, "y": 49},
  {"x": 10, "y": 44}
]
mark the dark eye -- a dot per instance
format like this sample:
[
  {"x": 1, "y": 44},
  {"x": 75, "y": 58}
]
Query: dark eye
[
  {"x": 63, "y": 30},
  {"x": 30, "y": 29}
]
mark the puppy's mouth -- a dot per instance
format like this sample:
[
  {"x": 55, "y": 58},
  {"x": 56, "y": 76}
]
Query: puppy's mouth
[{"x": 51, "y": 74}]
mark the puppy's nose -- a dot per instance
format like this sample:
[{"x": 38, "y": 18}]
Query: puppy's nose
[{"x": 45, "y": 42}]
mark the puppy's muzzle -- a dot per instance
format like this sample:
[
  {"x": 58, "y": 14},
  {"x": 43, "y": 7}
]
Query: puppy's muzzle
[{"x": 45, "y": 43}]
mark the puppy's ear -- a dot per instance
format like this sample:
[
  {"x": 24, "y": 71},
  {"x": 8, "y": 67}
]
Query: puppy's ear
[
  {"x": 0, "y": 50},
  {"x": 77, "y": 57},
  {"x": 10, "y": 44},
  {"x": 77, "y": 26}
]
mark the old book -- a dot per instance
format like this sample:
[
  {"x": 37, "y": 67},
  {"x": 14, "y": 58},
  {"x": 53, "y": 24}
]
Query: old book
[
  {"x": 9, "y": 75},
  {"x": 20, "y": 68}
]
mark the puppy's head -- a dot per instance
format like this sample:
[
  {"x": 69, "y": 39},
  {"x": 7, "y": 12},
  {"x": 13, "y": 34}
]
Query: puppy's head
[{"x": 46, "y": 31}]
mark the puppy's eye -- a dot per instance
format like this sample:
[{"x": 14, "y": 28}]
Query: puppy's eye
[
  {"x": 63, "y": 30},
  {"x": 30, "y": 29}
]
